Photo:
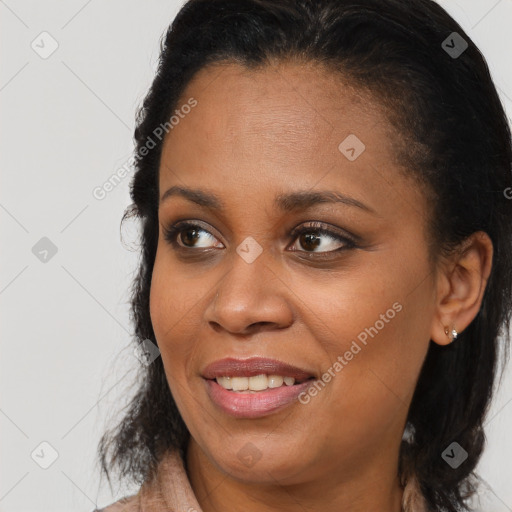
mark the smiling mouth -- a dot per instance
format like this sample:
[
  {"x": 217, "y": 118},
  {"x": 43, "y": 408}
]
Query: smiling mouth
[
  {"x": 254, "y": 387},
  {"x": 253, "y": 404},
  {"x": 257, "y": 383}
]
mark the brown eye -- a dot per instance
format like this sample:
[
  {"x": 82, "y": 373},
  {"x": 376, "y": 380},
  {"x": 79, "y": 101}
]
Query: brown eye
[
  {"x": 310, "y": 241},
  {"x": 188, "y": 235},
  {"x": 315, "y": 238}
]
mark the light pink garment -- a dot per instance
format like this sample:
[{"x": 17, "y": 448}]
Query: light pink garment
[{"x": 170, "y": 491}]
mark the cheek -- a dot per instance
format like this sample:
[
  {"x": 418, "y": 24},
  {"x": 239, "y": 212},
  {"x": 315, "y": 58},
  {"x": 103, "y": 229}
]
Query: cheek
[
  {"x": 378, "y": 324},
  {"x": 167, "y": 311},
  {"x": 171, "y": 297},
  {"x": 370, "y": 378},
  {"x": 175, "y": 304},
  {"x": 161, "y": 301}
]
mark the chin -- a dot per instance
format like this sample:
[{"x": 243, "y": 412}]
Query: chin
[{"x": 252, "y": 465}]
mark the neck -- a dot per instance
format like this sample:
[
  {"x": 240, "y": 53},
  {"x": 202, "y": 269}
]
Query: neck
[{"x": 374, "y": 488}]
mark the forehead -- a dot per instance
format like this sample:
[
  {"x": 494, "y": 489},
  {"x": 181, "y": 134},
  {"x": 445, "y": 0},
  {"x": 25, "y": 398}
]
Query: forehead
[
  {"x": 287, "y": 125},
  {"x": 287, "y": 106}
]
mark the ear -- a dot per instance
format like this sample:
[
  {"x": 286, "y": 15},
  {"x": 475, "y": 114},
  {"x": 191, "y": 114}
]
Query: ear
[{"x": 460, "y": 287}]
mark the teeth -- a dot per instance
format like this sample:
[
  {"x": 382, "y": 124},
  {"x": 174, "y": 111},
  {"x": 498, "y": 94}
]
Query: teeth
[
  {"x": 225, "y": 382},
  {"x": 275, "y": 381},
  {"x": 240, "y": 383},
  {"x": 256, "y": 383}
]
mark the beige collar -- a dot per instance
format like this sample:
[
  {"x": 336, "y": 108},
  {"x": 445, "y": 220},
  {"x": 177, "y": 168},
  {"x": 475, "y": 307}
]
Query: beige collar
[{"x": 171, "y": 490}]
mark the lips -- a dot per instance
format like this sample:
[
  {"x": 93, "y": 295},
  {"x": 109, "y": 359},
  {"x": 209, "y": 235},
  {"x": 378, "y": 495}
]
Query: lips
[
  {"x": 254, "y": 366},
  {"x": 254, "y": 404}
]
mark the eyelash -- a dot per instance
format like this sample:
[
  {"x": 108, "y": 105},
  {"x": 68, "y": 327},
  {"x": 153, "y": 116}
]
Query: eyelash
[{"x": 171, "y": 233}]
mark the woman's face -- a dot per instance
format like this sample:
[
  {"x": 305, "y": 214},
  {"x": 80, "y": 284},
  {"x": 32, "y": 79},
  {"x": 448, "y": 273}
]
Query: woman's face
[{"x": 349, "y": 301}]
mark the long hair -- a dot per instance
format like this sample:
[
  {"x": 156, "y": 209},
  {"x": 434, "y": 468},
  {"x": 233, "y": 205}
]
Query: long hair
[{"x": 454, "y": 140}]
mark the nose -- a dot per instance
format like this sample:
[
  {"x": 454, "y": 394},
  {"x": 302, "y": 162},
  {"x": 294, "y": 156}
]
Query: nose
[{"x": 250, "y": 297}]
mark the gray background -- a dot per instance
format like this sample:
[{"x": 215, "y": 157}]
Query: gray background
[{"x": 67, "y": 124}]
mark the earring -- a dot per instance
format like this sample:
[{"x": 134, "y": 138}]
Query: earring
[{"x": 454, "y": 333}]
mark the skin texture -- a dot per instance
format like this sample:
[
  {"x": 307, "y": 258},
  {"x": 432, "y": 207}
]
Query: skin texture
[{"x": 255, "y": 134}]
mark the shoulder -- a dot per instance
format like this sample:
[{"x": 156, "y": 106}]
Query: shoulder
[{"x": 127, "y": 504}]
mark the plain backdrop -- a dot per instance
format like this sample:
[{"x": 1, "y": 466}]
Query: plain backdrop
[{"x": 72, "y": 76}]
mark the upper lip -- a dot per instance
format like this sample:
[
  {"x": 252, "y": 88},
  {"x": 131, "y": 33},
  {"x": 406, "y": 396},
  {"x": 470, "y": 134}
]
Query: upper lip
[{"x": 232, "y": 367}]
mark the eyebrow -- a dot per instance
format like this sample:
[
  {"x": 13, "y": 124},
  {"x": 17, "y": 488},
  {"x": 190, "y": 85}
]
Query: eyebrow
[{"x": 285, "y": 202}]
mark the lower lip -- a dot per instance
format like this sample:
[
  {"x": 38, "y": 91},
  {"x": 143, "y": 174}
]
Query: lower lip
[{"x": 254, "y": 405}]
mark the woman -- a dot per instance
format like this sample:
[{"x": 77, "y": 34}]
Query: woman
[{"x": 322, "y": 187}]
